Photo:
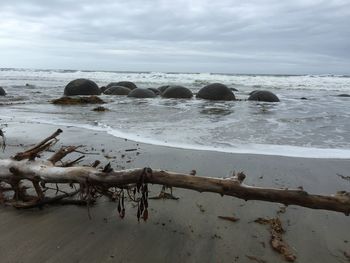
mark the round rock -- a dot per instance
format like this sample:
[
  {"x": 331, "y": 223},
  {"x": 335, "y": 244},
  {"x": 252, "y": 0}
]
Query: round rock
[
  {"x": 141, "y": 93},
  {"x": 177, "y": 92},
  {"x": 81, "y": 87},
  {"x": 216, "y": 91},
  {"x": 126, "y": 84},
  {"x": 156, "y": 91},
  {"x": 117, "y": 90},
  {"x": 263, "y": 95},
  {"x": 2, "y": 92}
]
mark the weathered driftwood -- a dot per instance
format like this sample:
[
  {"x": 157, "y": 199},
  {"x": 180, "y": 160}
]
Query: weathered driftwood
[{"x": 94, "y": 182}]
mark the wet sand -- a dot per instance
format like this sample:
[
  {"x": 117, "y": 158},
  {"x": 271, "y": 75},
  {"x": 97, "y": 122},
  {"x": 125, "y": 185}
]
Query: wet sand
[{"x": 186, "y": 230}]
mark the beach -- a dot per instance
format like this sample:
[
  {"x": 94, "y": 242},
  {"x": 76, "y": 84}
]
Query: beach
[
  {"x": 184, "y": 230},
  {"x": 175, "y": 131}
]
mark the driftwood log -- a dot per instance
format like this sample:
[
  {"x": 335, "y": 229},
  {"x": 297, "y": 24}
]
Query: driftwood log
[{"x": 91, "y": 182}]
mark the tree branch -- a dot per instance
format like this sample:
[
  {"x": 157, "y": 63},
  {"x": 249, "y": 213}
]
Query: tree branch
[
  {"x": 94, "y": 181},
  {"x": 44, "y": 171},
  {"x": 38, "y": 148}
]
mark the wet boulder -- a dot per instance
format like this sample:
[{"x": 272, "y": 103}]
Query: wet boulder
[
  {"x": 216, "y": 91},
  {"x": 117, "y": 90},
  {"x": 127, "y": 84},
  {"x": 2, "y": 92},
  {"x": 81, "y": 87},
  {"x": 177, "y": 92},
  {"x": 156, "y": 91},
  {"x": 141, "y": 93},
  {"x": 163, "y": 88},
  {"x": 263, "y": 95}
]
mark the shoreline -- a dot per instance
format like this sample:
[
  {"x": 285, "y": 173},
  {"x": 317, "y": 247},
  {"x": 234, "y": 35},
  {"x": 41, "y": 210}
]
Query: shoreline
[
  {"x": 185, "y": 230},
  {"x": 289, "y": 151}
]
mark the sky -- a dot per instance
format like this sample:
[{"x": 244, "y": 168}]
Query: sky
[{"x": 226, "y": 36}]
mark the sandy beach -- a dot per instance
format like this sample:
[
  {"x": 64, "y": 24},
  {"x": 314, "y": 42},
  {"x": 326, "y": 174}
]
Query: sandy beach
[
  {"x": 184, "y": 230},
  {"x": 233, "y": 102}
]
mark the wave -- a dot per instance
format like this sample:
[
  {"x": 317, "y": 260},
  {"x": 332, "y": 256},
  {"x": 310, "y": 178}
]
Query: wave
[
  {"x": 61, "y": 77},
  {"x": 249, "y": 148}
]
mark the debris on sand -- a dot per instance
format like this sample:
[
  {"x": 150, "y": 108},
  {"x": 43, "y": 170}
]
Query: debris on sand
[
  {"x": 255, "y": 259},
  {"x": 100, "y": 108},
  {"x": 229, "y": 218},
  {"x": 78, "y": 100},
  {"x": 164, "y": 195},
  {"x": 276, "y": 241}
]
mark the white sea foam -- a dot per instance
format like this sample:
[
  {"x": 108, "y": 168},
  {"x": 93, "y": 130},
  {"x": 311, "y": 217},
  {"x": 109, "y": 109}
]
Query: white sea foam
[
  {"x": 62, "y": 77},
  {"x": 317, "y": 127},
  {"x": 260, "y": 149}
]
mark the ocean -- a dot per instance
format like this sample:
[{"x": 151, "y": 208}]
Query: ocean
[{"x": 317, "y": 126}]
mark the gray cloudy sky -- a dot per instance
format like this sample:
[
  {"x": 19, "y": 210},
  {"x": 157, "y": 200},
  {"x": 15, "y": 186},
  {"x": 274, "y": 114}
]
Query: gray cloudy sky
[{"x": 258, "y": 36}]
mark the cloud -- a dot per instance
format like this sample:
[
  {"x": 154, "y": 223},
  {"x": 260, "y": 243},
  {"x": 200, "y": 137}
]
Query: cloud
[{"x": 267, "y": 36}]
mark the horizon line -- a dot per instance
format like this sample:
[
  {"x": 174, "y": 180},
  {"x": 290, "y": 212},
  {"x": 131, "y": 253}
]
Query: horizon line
[{"x": 174, "y": 72}]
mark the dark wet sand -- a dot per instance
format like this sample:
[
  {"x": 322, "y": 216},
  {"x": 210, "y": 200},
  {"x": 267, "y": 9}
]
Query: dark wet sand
[{"x": 186, "y": 230}]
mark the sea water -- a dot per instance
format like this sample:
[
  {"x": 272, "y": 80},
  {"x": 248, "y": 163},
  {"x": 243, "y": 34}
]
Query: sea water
[{"x": 310, "y": 121}]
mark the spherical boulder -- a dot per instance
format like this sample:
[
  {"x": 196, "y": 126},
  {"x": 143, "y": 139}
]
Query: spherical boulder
[
  {"x": 163, "y": 88},
  {"x": 81, "y": 87},
  {"x": 216, "y": 91},
  {"x": 2, "y": 92},
  {"x": 156, "y": 91},
  {"x": 126, "y": 84},
  {"x": 117, "y": 90},
  {"x": 141, "y": 93},
  {"x": 263, "y": 95},
  {"x": 177, "y": 92}
]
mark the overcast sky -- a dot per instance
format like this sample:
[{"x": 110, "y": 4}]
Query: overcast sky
[{"x": 259, "y": 36}]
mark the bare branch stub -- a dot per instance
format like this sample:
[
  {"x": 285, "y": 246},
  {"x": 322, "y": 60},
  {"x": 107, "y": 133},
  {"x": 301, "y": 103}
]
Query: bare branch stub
[
  {"x": 33, "y": 152},
  {"x": 72, "y": 163},
  {"x": 61, "y": 153}
]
